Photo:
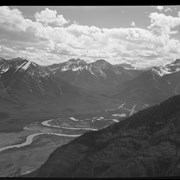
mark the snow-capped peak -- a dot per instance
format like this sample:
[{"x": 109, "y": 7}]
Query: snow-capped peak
[
  {"x": 78, "y": 68},
  {"x": 76, "y": 61},
  {"x": 73, "y": 65},
  {"x": 167, "y": 69},
  {"x": 161, "y": 71},
  {"x": 4, "y": 69}
]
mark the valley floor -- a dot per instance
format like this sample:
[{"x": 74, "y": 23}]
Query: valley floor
[{"x": 25, "y": 151}]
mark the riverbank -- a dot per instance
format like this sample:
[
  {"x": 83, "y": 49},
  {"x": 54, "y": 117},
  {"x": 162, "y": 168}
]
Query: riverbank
[{"x": 46, "y": 123}]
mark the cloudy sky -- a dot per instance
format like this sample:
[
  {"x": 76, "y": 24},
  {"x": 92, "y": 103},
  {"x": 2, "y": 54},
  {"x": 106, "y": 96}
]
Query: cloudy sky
[{"x": 139, "y": 35}]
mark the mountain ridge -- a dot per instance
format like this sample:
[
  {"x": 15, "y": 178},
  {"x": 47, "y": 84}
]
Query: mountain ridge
[{"x": 99, "y": 77}]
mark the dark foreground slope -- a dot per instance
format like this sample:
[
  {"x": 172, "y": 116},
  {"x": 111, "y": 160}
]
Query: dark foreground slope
[{"x": 145, "y": 144}]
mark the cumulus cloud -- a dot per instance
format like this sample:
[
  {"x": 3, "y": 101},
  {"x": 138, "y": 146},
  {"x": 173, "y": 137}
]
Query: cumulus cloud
[
  {"x": 160, "y": 8},
  {"x": 163, "y": 8},
  {"x": 48, "y": 41},
  {"x": 12, "y": 19},
  {"x": 48, "y": 16},
  {"x": 162, "y": 24},
  {"x": 167, "y": 9}
]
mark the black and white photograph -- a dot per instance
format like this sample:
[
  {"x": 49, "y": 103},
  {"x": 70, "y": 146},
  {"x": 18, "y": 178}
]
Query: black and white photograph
[{"x": 90, "y": 91}]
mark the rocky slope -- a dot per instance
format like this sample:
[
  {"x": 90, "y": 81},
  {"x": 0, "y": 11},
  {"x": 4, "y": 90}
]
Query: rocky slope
[{"x": 143, "y": 145}]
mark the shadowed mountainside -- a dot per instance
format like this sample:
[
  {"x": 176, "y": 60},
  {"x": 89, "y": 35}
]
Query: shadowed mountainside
[
  {"x": 152, "y": 86},
  {"x": 145, "y": 144}
]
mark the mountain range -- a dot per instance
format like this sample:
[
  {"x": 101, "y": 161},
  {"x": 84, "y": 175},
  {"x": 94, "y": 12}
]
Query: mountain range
[
  {"x": 121, "y": 81},
  {"x": 20, "y": 77},
  {"x": 152, "y": 86},
  {"x": 98, "y": 77},
  {"x": 30, "y": 90}
]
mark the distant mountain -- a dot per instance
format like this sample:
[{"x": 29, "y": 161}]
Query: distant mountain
[
  {"x": 143, "y": 145},
  {"x": 27, "y": 88},
  {"x": 173, "y": 77},
  {"x": 100, "y": 77},
  {"x": 148, "y": 87},
  {"x": 22, "y": 78},
  {"x": 152, "y": 86},
  {"x": 169, "y": 68},
  {"x": 19, "y": 77}
]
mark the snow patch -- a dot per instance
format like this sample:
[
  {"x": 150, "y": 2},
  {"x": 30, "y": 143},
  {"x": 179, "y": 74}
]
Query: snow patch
[
  {"x": 161, "y": 71},
  {"x": 26, "y": 65},
  {"x": 65, "y": 68},
  {"x": 168, "y": 69},
  {"x": 20, "y": 67},
  {"x": 3, "y": 70},
  {"x": 77, "y": 68},
  {"x": 53, "y": 69},
  {"x": 90, "y": 70}
]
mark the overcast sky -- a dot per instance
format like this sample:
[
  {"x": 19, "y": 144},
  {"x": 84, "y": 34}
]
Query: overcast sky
[{"x": 139, "y": 35}]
